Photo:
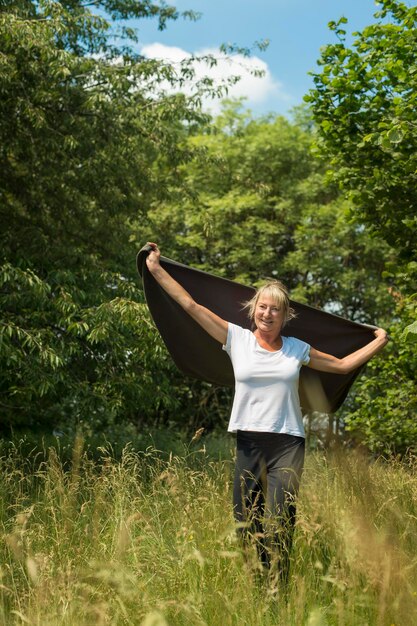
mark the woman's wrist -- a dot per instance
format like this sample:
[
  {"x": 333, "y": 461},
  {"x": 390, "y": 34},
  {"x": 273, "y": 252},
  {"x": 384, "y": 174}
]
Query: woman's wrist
[{"x": 154, "y": 267}]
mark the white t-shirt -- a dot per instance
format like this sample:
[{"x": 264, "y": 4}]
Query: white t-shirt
[{"x": 266, "y": 390}]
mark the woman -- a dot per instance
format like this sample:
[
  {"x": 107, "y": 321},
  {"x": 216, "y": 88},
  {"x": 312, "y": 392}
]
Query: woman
[{"x": 266, "y": 414}]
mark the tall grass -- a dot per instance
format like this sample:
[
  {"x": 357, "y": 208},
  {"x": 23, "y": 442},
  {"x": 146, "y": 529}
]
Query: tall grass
[{"x": 149, "y": 540}]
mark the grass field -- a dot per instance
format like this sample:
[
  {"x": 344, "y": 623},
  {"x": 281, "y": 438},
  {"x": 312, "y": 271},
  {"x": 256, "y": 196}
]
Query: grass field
[{"x": 149, "y": 540}]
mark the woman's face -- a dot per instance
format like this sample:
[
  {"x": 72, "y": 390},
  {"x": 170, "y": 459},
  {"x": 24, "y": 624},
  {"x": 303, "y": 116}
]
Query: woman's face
[{"x": 269, "y": 315}]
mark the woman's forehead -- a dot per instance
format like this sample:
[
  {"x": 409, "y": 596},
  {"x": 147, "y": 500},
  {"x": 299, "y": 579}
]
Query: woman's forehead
[{"x": 268, "y": 299}]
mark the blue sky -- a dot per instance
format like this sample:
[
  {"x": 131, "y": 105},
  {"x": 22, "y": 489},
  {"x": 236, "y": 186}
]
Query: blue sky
[{"x": 296, "y": 30}]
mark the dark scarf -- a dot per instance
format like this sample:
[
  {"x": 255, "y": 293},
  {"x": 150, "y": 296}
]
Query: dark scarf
[{"x": 200, "y": 356}]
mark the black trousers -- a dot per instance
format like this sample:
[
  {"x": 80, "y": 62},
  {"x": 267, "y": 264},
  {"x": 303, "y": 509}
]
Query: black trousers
[{"x": 267, "y": 477}]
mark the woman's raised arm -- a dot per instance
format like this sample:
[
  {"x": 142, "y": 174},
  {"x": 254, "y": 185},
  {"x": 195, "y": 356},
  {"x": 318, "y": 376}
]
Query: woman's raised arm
[
  {"x": 212, "y": 323},
  {"x": 328, "y": 363}
]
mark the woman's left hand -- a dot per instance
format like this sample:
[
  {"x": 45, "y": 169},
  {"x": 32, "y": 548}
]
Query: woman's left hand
[{"x": 382, "y": 334}]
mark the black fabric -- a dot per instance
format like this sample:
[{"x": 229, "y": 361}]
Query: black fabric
[{"x": 200, "y": 356}]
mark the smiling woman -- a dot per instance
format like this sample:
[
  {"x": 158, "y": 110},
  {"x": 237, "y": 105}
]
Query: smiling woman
[{"x": 266, "y": 414}]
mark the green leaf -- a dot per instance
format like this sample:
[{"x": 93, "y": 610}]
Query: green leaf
[
  {"x": 395, "y": 135},
  {"x": 411, "y": 329}
]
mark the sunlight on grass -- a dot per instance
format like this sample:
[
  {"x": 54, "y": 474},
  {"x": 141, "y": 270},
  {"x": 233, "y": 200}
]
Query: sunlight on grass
[{"x": 149, "y": 540}]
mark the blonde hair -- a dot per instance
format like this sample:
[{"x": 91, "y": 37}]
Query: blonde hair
[{"x": 276, "y": 290}]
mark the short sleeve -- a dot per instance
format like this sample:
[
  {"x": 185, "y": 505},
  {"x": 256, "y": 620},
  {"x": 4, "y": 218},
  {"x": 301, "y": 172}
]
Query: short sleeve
[
  {"x": 228, "y": 345},
  {"x": 300, "y": 350},
  {"x": 305, "y": 352}
]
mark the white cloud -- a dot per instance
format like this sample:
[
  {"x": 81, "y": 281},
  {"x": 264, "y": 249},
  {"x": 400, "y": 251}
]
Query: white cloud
[
  {"x": 165, "y": 53},
  {"x": 258, "y": 90}
]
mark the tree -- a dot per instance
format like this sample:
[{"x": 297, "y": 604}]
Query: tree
[
  {"x": 382, "y": 412},
  {"x": 79, "y": 134},
  {"x": 336, "y": 265},
  {"x": 84, "y": 134},
  {"x": 260, "y": 207},
  {"x": 364, "y": 104},
  {"x": 245, "y": 197}
]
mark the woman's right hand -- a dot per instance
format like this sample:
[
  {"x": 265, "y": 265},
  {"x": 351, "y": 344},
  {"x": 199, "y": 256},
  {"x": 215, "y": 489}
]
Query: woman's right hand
[{"x": 152, "y": 260}]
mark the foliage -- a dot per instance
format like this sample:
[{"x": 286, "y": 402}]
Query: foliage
[
  {"x": 79, "y": 136},
  {"x": 71, "y": 358},
  {"x": 337, "y": 266},
  {"x": 263, "y": 209},
  {"x": 68, "y": 362},
  {"x": 364, "y": 104},
  {"x": 245, "y": 200},
  {"x": 97, "y": 157},
  {"x": 87, "y": 139},
  {"x": 151, "y": 540},
  {"x": 385, "y": 402}
]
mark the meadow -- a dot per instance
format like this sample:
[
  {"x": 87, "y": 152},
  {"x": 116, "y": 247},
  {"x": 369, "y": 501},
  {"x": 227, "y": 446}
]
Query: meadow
[{"x": 148, "y": 539}]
